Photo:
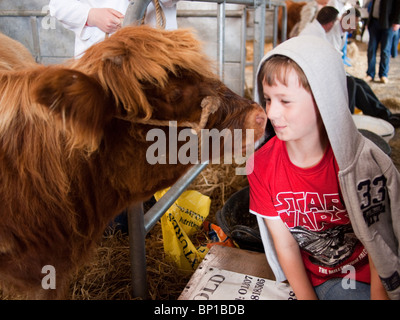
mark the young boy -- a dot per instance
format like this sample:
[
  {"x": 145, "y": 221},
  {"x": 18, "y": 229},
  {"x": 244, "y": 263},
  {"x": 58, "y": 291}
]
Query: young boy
[{"x": 318, "y": 179}]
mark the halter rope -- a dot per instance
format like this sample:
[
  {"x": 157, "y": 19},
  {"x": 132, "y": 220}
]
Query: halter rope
[
  {"x": 160, "y": 17},
  {"x": 209, "y": 105}
]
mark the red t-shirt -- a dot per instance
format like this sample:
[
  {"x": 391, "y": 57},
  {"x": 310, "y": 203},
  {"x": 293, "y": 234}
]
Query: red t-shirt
[{"x": 309, "y": 202}]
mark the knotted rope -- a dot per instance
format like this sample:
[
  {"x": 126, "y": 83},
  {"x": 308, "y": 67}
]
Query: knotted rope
[{"x": 160, "y": 16}]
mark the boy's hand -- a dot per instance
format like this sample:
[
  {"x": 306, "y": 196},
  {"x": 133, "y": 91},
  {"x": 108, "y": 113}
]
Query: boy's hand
[
  {"x": 377, "y": 290},
  {"x": 106, "y": 19},
  {"x": 290, "y": 259}
]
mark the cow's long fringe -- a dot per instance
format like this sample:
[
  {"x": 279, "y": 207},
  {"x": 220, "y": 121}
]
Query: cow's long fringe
[{"x": 127, "y": 59}]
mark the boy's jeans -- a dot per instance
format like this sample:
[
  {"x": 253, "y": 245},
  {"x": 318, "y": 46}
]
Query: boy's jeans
[
  {"x": 385, "y": 38},
  {"x": 334, "y": 289}
]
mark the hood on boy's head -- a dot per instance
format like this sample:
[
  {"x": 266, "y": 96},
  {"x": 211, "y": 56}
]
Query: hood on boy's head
[{"x": 324, "y": 70}]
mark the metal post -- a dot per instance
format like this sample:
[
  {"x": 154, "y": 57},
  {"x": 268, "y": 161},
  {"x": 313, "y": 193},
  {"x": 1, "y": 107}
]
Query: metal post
[
  {"x": 284, "y": 23},
  {"x": 259, "y": 39},
  {"x": 35, "y": 39},
  {"x": 137, "y": 250},
  {"x": 275, "y": 27},
  {"x": 243, "y": 51},
  {"x": 135, "y": 12},
  {"x": 140, "y": 224},
  {"x": 221, "y": 39}
]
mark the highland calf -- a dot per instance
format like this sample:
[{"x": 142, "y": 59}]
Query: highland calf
[
  {"x": 73, "y": 144},
  {"x": 13, "y": 55}
]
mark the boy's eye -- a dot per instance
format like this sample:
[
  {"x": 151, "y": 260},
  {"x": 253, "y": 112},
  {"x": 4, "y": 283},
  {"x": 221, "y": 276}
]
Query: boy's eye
[{"x": 285, "y": 101}]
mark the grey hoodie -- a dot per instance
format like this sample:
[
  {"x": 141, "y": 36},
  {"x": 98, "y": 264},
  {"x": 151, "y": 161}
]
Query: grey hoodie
[{"x": 369, "y": 181}]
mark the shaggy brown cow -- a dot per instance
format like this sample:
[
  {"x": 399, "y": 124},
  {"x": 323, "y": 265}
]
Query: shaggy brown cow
[
  {"x": 293, "y": 10},
  {"x": 73, "y": 147},
  {"x": 13, "y": 55}
]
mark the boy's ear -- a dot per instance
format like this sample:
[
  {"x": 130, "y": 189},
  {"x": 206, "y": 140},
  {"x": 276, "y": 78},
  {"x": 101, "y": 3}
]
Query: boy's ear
[{"x": 78, "y": 101}]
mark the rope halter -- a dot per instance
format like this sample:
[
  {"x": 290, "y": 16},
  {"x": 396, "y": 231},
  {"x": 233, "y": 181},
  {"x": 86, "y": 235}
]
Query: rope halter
[{"x": 209, "y": 105}]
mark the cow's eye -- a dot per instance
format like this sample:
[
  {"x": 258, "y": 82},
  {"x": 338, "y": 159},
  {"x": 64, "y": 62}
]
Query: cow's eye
[{"x": 175, "y": 95}]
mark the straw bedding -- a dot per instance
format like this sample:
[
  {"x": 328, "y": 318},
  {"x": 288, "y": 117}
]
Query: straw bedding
[{"x": 108, "y": 276}]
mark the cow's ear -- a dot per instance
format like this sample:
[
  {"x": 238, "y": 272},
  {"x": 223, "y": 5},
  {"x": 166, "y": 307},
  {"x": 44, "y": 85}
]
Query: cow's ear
[{"x": 78, "y": 101}]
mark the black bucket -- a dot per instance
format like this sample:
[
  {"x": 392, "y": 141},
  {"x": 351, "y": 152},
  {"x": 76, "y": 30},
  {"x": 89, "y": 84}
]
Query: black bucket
[
  {"x": 378, "y": 140},
  {"x": 238, "y": 223}
]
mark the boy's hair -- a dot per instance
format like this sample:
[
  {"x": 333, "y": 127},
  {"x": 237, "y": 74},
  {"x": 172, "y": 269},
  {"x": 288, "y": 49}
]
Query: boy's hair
[
  {"x": 276, "y": 69},
  {"x": 327, "y": 14}
]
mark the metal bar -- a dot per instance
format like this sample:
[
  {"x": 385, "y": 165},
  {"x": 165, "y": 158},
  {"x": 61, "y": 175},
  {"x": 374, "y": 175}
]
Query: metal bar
[
  {"x": 275, "y": 27},
  {"x": 259, "y": 39},
  {"x": 137, "y": 251},
  {"x": 243, "y": 51},
  {"x": 35, "y": 39},
  {"x": 245, "y": 2},
  {"x": 221, "y": 39},
  {"x": 284, "y": 23},
  {"x": 135, "y": 12},
  {"x": 140, "y": 224},
  {"x": 157, "y": 211},
  {"x": 22, "y": 13},
  {"x": 207, "y": 13}
]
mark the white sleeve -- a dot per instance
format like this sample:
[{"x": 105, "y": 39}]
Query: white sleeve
[{"x": 72, "y": 14}]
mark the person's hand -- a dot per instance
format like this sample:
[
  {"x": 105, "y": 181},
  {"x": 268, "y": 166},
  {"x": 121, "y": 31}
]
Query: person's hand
[{"x": 106, "y": 19}]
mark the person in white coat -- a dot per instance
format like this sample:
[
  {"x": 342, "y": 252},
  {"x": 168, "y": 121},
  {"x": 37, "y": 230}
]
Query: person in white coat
[
  {"x": 322, "y": 24},
  {"x": 92, "y": 20}
]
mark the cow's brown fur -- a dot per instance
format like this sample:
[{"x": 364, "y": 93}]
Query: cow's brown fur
[
  {"x": 13, "y": 55},
  {"x": 293, "y": 10},
  {"x": 72, "y": 156}
]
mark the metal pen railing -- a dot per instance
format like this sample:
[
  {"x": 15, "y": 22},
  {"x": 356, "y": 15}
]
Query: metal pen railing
[{"x": 141, "y": 223}]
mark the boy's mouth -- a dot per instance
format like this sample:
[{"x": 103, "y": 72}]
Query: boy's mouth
[{"x": 278, "y": 127}]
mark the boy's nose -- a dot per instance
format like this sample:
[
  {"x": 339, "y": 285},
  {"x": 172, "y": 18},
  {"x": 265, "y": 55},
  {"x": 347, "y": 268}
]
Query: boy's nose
[{"x": 273, "y": 111}]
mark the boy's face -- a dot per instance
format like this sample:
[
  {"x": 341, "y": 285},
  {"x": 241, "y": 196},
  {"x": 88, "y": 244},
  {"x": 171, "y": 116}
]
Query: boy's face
[{"x": 292, "y": 110}]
